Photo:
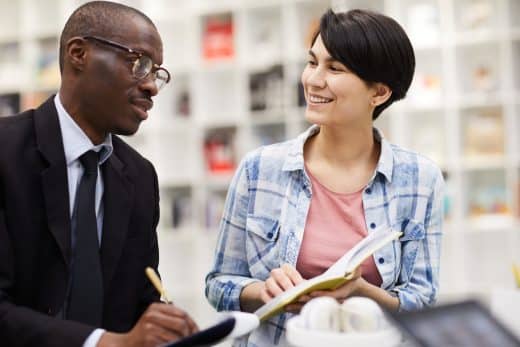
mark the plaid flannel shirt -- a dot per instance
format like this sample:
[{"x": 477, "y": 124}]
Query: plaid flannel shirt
[{"x": 266, "y": 210}]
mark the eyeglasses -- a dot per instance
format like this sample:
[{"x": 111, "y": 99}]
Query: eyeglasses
[{"x": 143, "y": 64}]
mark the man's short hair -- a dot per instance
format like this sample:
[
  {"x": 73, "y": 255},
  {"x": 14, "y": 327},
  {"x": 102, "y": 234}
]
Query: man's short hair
[{"x": 96, "y": 18}]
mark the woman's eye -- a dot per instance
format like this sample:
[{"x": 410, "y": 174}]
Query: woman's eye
[
  {"x": 335, "y": 68},
  {"x": 311, "y": 63}
]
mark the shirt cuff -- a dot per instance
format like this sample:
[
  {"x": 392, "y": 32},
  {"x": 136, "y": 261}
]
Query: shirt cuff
[{"x": 93, "y": 339}]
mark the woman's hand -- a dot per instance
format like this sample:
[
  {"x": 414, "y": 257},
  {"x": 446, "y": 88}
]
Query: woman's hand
[
  {"x": 353, "y": 287},
  {"x": 258, "y": 293},
  {"x": 280, "y": 280}
]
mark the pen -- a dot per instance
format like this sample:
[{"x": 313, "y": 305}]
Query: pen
[
  {"x": 516, "y": 274},
  {"x": 156, "y": 281}
]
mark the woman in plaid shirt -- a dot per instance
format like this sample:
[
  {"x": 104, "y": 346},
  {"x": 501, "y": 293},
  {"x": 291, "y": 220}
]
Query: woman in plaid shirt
[{"x": 294, "y": 208}]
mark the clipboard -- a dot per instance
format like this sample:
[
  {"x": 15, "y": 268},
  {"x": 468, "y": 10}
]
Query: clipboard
[{"x": 207, "y": 337}]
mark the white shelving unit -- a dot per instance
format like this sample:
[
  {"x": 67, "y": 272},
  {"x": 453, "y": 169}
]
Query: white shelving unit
[{"x": 463, "y": 111}]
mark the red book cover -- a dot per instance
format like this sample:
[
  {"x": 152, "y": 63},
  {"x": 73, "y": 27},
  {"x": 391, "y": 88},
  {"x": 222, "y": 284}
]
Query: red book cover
[{"x": 217, "y": 37}]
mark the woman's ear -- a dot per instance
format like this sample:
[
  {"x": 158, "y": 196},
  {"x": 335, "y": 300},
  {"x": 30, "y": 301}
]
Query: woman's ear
[{"x": 381, "y": 94}]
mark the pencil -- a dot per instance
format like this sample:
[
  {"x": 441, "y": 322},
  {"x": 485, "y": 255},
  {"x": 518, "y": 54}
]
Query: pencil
[
  {"x": 516, "y": 274},
  {"x": 156, "y": 281}
]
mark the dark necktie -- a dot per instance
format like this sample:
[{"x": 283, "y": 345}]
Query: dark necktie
[{"x": 86, "y": 291}]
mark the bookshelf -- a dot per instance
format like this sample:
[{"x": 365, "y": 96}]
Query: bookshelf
[{"x": 236, "y": 67}]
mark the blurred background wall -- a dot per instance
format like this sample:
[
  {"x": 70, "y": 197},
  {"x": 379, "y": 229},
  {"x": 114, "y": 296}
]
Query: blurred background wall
[{"x": 236, "y": 67}]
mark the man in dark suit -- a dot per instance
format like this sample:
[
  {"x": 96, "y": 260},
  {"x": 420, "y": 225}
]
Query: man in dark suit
[{"x": 79, "y": 207}]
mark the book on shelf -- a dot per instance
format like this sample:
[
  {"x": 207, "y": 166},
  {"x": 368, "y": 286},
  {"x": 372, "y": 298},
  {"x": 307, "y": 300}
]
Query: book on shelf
[
  {"x": 338, "y": 274},
  {"x": 484, "y": 133},
  {"x": 219, "y": 153},
  {"x": 9, "y": 104},
  {"x": 183, "y": 103},
  {"x": 218, "y": 37},
  {"x": 181, "y": 210},
  {"x": 266, "y": 89},
  {"x": 182, "y": 106}
]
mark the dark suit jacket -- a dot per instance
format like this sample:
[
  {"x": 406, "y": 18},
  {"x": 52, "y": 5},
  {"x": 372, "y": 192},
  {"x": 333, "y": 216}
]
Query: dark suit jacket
[{"x": 35, "y": 234}]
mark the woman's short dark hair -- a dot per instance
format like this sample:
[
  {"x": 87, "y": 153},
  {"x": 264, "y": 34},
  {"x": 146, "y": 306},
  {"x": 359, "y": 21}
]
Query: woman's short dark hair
[{"x": 371, "y": 45}]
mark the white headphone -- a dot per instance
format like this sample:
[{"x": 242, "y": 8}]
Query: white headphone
[{"x": 356, "y": 314}]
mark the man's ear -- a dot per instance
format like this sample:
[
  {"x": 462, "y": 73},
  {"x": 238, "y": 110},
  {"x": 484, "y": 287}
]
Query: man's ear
[
  {"x": 76, "y": 51},
  {"x": 381, "y": 94}
]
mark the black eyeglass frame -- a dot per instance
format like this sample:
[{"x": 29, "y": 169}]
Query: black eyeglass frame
[{"x": 129, "y": 50}]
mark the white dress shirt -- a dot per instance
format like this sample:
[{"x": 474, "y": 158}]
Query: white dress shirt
[{"x": 75, "y": 144}]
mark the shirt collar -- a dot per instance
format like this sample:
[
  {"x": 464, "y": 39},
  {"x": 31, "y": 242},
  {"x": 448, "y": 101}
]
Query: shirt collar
[
  {"x": 75, "y": 141},
  {"x": 294, "y": 159}
]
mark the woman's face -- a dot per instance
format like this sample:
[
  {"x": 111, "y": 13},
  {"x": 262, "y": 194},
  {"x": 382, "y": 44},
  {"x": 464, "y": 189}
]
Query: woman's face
[{"x": 334, "y": 95}]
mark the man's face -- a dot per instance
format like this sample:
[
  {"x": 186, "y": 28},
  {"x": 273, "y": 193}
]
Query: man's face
[{"x": 114, "y": 100}]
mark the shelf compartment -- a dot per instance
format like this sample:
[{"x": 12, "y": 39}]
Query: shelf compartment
[
  {"x": 428, "y": 135},
  {"x": 177, "y": 207},
  {"x": 482, "y": 134},
  {"x": 9, "y": 104},
  {"x": 421, "y": 20},
  {"x": 181, "y": 37},
  {"x": 428, "y": 86},
  {"x": 267, "y": 134},
  {"x": 478, "y": 68},
  {"x": 10, "y": 17},
  {"x": 214, "y": 207},
  {"x": 476, "y": 16},
  {"x": 220, "y": 153},
  {"x": 266, "y": 89},
  {"x": 218, "y": 37},
  {"x": 487, "y": 196},
  {"x": 173, "y": 155},
  {"x": 304, "y": 21},
  {"x": 218, "y": 97},
  {"x": 47, "y": 63},
  {"x": 260, "y": 41},
  {"x": 516, "y": 64},
  {"x": 40, "y": 18},
  {"x": 12, "y": 72},
  {"x": 514, "y": 10}
]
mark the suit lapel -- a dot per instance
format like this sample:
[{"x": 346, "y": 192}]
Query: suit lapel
[
  {"x": 54, "y": 177},
  {"x": 117, "y": 202}
]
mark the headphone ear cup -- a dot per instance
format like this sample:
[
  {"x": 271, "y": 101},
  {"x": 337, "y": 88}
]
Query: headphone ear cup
[
  {"x": 322, "y": 314},
  {"x": 360, "y": 314}
]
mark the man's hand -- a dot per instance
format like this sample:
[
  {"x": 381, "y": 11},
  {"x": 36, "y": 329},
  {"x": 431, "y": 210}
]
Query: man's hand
[{"x": 159, "y": 324}]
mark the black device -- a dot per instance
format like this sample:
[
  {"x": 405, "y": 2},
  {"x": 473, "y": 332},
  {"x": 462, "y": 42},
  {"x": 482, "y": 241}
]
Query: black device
[
  {"x": 461, "y": 324},
  {"x": 207, "y": 337}
]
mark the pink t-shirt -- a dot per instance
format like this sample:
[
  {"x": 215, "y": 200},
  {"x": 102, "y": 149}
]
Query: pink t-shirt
[{"x": 335, "y": 223}]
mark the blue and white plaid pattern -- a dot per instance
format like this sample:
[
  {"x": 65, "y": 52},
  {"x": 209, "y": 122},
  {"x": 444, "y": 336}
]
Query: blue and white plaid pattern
[{"x": 266, "y": 210}]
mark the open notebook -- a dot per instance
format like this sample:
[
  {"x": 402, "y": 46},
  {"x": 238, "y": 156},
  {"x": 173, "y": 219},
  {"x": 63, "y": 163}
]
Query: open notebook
[{"x": 339, "y": 273}]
